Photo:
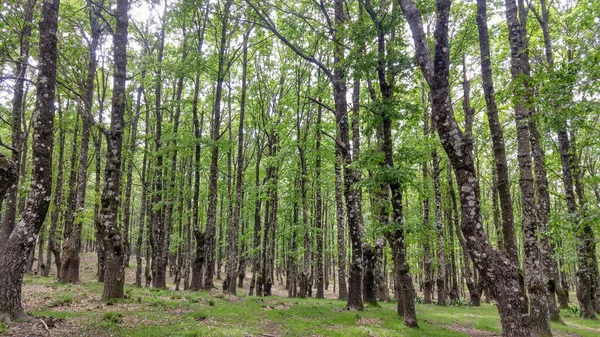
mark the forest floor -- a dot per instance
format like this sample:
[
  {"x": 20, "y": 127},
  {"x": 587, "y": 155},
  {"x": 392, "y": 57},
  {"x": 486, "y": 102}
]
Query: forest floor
[{"x": 76, "y": 310}]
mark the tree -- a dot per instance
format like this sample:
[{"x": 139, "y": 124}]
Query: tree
[
  {"x": 107, "y": 226},
  {"x": 500, "y": 275},
  {"x": 21, "y": 241}
]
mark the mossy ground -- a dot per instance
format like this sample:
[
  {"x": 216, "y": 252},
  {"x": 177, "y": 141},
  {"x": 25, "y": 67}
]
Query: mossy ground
[{"x": 75, "y": 310}]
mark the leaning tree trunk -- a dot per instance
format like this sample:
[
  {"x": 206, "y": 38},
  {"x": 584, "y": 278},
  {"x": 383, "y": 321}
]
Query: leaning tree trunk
[
  {"x": 13, "y": 255},
  {"x": 500, "y": 275},
  {"x": 108, "y": 229},
  {"x": 499, "y": 149}
]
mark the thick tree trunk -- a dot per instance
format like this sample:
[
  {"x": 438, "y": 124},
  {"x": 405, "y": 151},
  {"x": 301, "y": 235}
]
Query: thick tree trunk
[
  {"x": 369, "y": 286},
  {"x": 108, "y": 229},
  {"x": 526, "y": 131},
  {"x": 21, "y": 241},
  {"x": 500, "y": 275}
]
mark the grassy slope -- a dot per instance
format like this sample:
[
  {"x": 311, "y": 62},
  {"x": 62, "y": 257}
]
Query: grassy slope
[{"x": 149, "y": 312}]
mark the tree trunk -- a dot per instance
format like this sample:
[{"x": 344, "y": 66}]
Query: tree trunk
[
  {"x": 499, "y": 149},
  {"x": 439, "y": 224},
  {"x": 72, "y": 244},
  {"x": 538, "y": 313},
  {"x": 341, "y": 229},
  {"x": 211, "y": 217},
  {"x": 144, "y": 201},
  {"x": 108, "y": 229},
  {"x": 57, "y": 202},
  {"x": 18, "y": 138},
  {"x": 159, "y": 231},
  {"x": 232, "y": 232},
  {"x": 500, "y": 275},
  {"x": 21, "y": 241},
  {"x": 69, "y": 216}
]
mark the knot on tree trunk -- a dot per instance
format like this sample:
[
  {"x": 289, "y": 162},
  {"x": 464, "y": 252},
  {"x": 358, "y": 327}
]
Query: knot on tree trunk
[{"x": 8, "y": 175}]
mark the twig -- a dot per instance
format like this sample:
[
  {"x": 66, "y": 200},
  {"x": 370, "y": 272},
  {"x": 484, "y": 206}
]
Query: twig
[{"x": 45, "y": 325}]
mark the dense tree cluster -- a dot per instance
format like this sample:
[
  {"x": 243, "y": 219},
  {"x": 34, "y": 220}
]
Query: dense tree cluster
[{"x": 382, "y": 149}]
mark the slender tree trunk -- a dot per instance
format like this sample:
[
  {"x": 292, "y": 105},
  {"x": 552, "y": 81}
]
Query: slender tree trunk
[
  {"x": 144, "y": 201},
  {"x": 108, "y": 229},
  {"x": 18, "y": 138},
  {"x": 499, "y": 149},
  {"x": 341, "y": 229},
  {"x": 546, "y": 246},
  {"x": 232, "y": 233},
  {"x": 72, "y": 244},
  {"x": 57, "y": 202},
  {"x": 159, "y": 231},
  {"x": 439, "y": 224},
  {"x": 319, "y": 208},
  {"x": 584, "y": 275},
  {"x": 257, "y": 227},
  {"x": 69, "y": 215},
  {"x": 21, "y": 241},
  {"x": 211, "y": 217}
]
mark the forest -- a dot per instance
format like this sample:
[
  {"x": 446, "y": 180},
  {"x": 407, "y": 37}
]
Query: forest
[{"x": 303, "y": 168}]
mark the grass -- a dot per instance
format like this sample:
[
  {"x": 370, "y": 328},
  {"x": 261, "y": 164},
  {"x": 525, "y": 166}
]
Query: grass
[{"x": 152, "y": 312}]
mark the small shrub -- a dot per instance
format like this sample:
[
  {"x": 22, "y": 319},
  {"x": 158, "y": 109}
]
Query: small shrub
[
  {"x": 113, "y": 317},
  {"x": 63, "y": 301},
  {"x": 419, "y": 300},
  {"x": 574, "y": 309}
]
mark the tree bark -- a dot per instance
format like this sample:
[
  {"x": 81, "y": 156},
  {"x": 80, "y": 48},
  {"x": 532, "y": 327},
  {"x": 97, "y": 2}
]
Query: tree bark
[
  {"x": 539, "y": 319},
  {"x": 21, "y": 241},
  {"x": 72, "y": 244},
  {"x": 198, "y": 261},
  {"x": 211, "y": 217},
  {"x": 232, "y": 232},
  {"x": 499, "y": 149},
  {"x": 319, "y": 207},
  {"x": 157, "y": 211},
  {"x": 500, "y": 275},
  {"x": 107, "y": 226},
  {"x": 18, "y": 138},
  {"x": 57, "y": 202},
  {"x": 144, "y": 201}
]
